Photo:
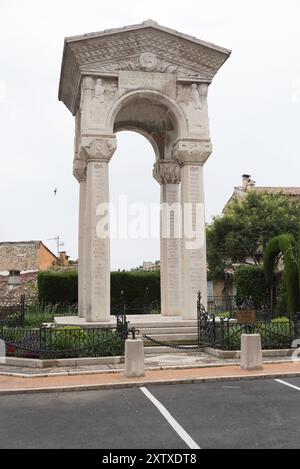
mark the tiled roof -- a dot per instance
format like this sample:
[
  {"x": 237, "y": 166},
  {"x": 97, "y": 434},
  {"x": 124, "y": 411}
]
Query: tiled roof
[
  {"x": 28, "y": 288},
  {"x": 11, "y": 243},
  {"x": 292, "y": 191}
]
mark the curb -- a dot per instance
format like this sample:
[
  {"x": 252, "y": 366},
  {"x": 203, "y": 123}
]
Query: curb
[
  {"x": 122, "y": 370},
  {"x": 135, "y": 384}
]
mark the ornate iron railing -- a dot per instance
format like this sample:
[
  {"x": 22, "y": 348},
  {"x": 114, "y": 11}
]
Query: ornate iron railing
[
  {"x": 50, "y": 343},
  {"x": 219, "y": 305},
  {"x": 138, "y": 306},
  {"x": 225, "y": 333},
  {"x": 228, "y": 306},
  {"x": 13, "y": 315}
]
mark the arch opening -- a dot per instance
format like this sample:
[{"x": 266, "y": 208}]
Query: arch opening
[
  {"x": 135, "y": 202},
  {"x": 152, "y": 114}
]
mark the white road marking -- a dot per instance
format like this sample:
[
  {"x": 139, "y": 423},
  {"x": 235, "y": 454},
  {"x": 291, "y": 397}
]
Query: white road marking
[
  {"x": 174, "y": 424},
  {"x": 285, "y": 383}
]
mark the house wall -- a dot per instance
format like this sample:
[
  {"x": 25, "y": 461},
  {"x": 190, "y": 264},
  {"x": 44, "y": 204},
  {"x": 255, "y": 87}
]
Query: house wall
[
  {"x": 218, "y": 288},
  {"x": 19, "y": 256},
  {"x": 46, "y": 258}
]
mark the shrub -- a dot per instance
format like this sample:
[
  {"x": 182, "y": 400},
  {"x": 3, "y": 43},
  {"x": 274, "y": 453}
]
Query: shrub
[
  {"x": 58, "y": 287},
  {"x": 67, "y": 338},
  {"x": 134, "y": 284},
  {"x": 250, "y": 283},
  {"x": 280, "y": 296},
  {"x": 281, "y": 320},
  {"x": 62, "y": 287},
  {"x": 36, "y": 319},
  {"x": 66, "y": 342},
  {"x": 286, "y": 245},
  {"x": 225, "y": 315},
  {"x": 275, "y": 334},
  {"x": 73, "y": 341}
]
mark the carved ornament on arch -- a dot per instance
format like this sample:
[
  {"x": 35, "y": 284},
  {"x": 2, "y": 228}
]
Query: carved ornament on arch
[
  {"x": 192, "y": 152},
  {"x": 97, "y": 148},
  {"x": 166, "y": 172}
]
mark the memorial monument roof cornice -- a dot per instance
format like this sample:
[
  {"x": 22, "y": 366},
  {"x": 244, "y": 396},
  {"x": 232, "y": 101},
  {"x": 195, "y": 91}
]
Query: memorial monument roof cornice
[
  {"x": 108, "y": 52},
  {"x": 146, "y": 24}
]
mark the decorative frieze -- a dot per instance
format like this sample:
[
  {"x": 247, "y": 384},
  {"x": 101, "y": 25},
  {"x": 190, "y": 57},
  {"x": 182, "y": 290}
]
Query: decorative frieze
[
  {"x": 192, "y": 152},
  {"x": 145, "y": 47},
  {"x": 79, "y": 169},
  {"x": 146, "y": 62},
  {"x": 97, "y": 149}
]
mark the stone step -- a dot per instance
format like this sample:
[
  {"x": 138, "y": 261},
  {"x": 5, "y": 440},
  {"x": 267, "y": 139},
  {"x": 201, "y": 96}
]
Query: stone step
[
  {"x": 160, "y": 324},
  {"x": 160, "y": 350},
  {"x": 169, "y": 330},
  {"x": 173, "y": 338}
]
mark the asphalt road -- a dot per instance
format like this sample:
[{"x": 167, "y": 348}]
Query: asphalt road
[{"x": 236, "y": 414}]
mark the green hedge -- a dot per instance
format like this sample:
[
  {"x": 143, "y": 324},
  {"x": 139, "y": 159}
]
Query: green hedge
[
  {"x": 62, "y": 287},
  {"x": 58, "y": 287},
  {"x": 250, "y": 283},
  {"x": 134, "y": 284}
]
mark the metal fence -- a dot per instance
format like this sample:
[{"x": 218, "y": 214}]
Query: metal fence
[
  {"x": 13, "y": 315},
  {"x": 58, "y": 309},
  {"x": 229, "y": 306},
  {"x": 50, "y": 343},
  {"x": 219, "y": 305},
  {"x": 139, "y": 306},
  {"x": 225, "y": 333}
]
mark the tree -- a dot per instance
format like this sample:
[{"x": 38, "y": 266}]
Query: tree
[
  {"x": 285, "y": 245},
  {"x": 251, "y": 284},
  {"x": 240, "y": 235}
]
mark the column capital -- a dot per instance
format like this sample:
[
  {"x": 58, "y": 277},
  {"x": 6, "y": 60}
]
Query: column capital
[
  {"x": 166, "y": 172},
  {"x": 192, "y": 152},
  {"x": 97, "y": 148},
  {"x": 79, "y": 169}
]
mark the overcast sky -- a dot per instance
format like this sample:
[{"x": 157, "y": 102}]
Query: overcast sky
[{"x": 254, "y": 105}]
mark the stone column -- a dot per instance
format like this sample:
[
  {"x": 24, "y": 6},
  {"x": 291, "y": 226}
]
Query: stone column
[
  {"x": 98, "y": 152},
  {"x": 167, "y": 173},
  {"x": 191, "y": 155},
  {"x": 80, "y": 173}
]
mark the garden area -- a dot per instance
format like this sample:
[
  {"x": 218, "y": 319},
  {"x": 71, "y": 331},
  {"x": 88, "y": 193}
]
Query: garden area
[
  {"x": 68, "y": 342},
  {"x": 29, "y": 332},
  {"x": 254, "y": 246}
]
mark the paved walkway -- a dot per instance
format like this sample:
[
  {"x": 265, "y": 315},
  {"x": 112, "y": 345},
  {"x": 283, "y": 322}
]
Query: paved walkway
[
  {"x": 163, "y": 361},
  {"x": 16, "y": 385}
]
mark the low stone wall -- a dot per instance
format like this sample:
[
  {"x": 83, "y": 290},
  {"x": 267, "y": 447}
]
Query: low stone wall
[
  {"x": 236, "y": 354},
  {"x": 61, "y": 363}
]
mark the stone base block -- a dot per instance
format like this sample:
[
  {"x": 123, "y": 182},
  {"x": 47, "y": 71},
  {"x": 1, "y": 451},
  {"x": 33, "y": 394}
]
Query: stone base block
[
  {"x": 134, "y": 358},
  {"x": 251, "y": 352}
]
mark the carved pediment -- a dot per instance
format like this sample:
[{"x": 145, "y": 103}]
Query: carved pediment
[
  {"x": 135, "y": 64},
  {"x": 145, "y": 47}
]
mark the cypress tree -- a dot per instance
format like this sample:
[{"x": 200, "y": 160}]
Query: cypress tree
[{"x": 286, "y": 246}]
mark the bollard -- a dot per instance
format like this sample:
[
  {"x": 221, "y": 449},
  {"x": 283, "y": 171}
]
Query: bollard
[
  {"x": 251, "y": 352},
  {"x": 134, "y": 358}
]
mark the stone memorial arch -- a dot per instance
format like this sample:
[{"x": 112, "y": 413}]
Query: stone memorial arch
[{"x": 152, "y": 80}]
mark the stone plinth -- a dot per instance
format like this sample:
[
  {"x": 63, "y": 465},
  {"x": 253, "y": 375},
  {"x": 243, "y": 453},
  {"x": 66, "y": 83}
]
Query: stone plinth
[
  {"x": 251, "y": 352},
  {"x": 134, "y": 358}
]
